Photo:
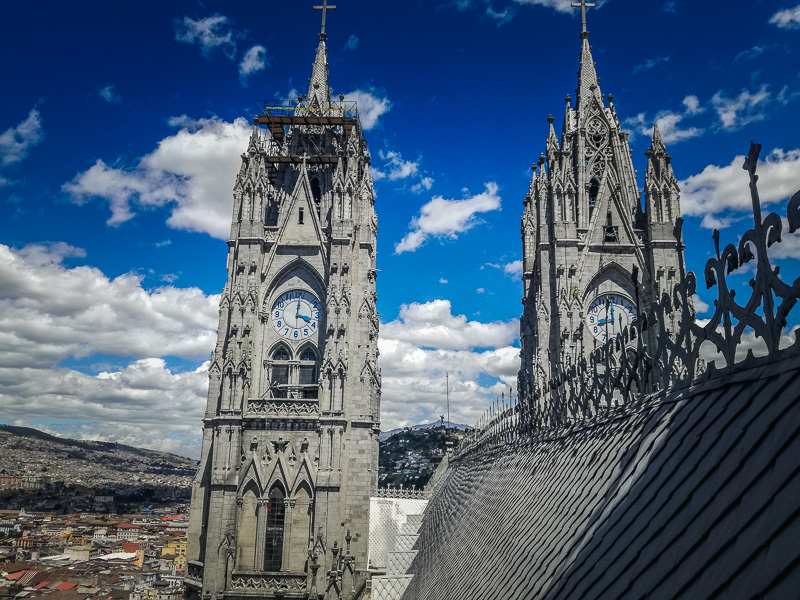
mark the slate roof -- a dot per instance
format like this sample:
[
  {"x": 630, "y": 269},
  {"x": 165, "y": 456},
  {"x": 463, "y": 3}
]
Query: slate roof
[{"x": 693, "y": 495}]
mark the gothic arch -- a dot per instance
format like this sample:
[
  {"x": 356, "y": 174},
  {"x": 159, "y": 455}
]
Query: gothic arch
[
  {"x": 247, "y": 526},
  {"x": 296, "y": 267},
  {"x": 603, "y": 274}
]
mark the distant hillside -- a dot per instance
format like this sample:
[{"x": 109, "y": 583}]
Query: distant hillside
[
  {"x": 409, "y": 456},
  {"x": 27, "y": 451},
  {"x": 385, "y": 435}
]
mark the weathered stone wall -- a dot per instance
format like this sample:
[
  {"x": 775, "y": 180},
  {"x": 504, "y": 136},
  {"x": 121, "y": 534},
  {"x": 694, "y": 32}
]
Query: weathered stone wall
[{"x": 692, "y": 495}]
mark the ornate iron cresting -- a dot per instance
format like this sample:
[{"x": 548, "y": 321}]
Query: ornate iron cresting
[
  {"x": 401, "y": 493},
  {"x": 661, "y": 349}
]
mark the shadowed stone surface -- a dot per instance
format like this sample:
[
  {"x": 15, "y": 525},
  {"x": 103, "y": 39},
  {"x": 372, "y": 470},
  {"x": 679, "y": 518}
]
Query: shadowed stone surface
[{"x": 696, "y": 494}]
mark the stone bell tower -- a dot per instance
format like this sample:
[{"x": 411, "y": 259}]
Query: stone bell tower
[
  {"x": 585, "y": 234},
  {"x": 280, "y": 503}
]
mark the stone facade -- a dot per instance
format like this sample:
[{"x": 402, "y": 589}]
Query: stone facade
[
  {"x": 280, "y": 503},
  {"x": 586, "y": 237}
]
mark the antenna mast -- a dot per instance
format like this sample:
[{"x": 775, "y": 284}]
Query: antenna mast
[{"x": 447, "y": 390}]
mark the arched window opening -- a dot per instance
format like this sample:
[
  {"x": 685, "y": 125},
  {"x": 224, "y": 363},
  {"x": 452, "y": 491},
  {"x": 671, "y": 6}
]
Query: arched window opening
[
  {"x": 316, "y": 192},
  {"x": 272, "y": 212},
  {"x": 279, "y": 372},
  {"x": 594, "y": 189},
  {"x": 309, "y": 375},
  {"x": 276, "y": 514},
  {"x": 611, "y": 231},
  {"x": 668, "y": 206}
]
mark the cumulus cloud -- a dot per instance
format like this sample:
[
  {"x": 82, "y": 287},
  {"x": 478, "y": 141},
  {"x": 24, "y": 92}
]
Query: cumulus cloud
[
  {"x": 51, "y": 313},
  {"x": 741, "y": 110},
  {"x": 788, "y": 18},
  {"x": 395, "y": 167},
  {"x": 192, "y": 171},
  {"x": 441, "y": 218},
  {"x": 144, "y": 404},
  {"x": 16, "y": 141},
  {"x": 110, "y": 94},
  {"x": 722, "y": 194},
  {"x": 425, "y": 342},
  {"x": 425, "y": 183},
  {"x": 254, "y": 60},
  {"x": 93, "y": 314},
  {"x": 370, "y": 106},
  {"x": 669, "y": 122},
  {"x": 434, "y": 326},
  {"x": 211, "y": 33}
]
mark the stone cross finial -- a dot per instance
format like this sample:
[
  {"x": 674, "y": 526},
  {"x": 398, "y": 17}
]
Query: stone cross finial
[
  {"x": 325, "y": 8},
  {"x": 583, "y": 5}
]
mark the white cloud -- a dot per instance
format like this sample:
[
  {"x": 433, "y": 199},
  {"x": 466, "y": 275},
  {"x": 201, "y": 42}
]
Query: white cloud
[
  {"x": 93, "y": 314},
  {"x": 193, "y": 171},
  {"x": 650, "y": 63},
  {"x": 563, "y": 6},
  {"x": 50, "y": 313},
  {"x": 254, "y": 60},
  {"x": 370, "y": 106},
  {"x": 753, "y": 52},
  {"x": 110, "y": 94},
  {"x": 210, "y": 34},
  {"x": 788, "y": 18},
  {"x": 692, "y": 104},
  {"x": 16, "y": 142},
  {"x": 442, "y": 280},
  {"x": 416, "y": 352},
  {"x": 501, "y": 17},
  {"x": 443, "y": 218},
  {"x": 745, "y": 108},
  {"x": 513, "y": 268},
  {"x": 426, "y": 183},
  {"x": 144, "y": 404},
  {"x": 352, "y": 42},
  {"x": 720, "y": 194},
  {"x": 669, "y": 122},
  {"x": 432, "y": 325},
  {"x": 397, "y": 167}
]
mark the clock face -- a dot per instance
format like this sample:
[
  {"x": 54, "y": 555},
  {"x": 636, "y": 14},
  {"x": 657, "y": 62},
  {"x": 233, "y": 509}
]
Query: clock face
[
  {"x": 295, "y": 315},
  {"x": 608, "y": 314}
]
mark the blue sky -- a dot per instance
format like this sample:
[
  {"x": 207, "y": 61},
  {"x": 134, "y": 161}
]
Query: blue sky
[{"x": 122, "y": 124}]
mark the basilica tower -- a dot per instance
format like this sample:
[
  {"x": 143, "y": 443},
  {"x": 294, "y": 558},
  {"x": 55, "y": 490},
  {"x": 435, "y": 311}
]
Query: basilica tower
[
  {"x": 585, "y": 234},
  {"x": 280, "y": 503}
]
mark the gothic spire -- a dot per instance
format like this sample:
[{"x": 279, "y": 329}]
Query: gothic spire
[
  {"x": 588, "y": 84},
  {"x": 318, "y": 91},
  {"x": 657, "y": 143}
]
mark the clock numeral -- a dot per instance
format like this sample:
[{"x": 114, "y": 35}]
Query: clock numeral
[
  {"x": 295, "y": 333},
  {"x": 277, "y": 314},
  {"x": 305, "y": 332},
  {"x": 313, "y": 326},
  {"x": 278, "y": 324}
]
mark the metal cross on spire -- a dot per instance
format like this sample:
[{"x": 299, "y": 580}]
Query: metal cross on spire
[
  {"x": 324, "y": 8},
  {"x": 583, "y": 5}
]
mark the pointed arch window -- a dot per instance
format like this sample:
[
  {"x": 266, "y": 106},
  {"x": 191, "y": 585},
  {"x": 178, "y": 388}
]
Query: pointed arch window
[
  {"x": 594, "y": 190},
  {"x": 276, "y": 515},
  {"x": 309, "y": 373},
  {"x": 271, "y": 219},
  {"x": 279, "y": 372},
  {"x": 316, "y": 192}
]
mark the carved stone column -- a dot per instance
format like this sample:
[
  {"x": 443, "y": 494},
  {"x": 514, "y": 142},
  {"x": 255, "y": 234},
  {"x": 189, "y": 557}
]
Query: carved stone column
[
  {"x": 287, "y": 534},
  {"x": 261, "y": 532}
]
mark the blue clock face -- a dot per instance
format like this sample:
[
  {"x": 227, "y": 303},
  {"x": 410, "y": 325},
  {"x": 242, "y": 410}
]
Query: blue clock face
[
  {"x": 295, "y": 315},
  {"x": 608, "y": 315}
]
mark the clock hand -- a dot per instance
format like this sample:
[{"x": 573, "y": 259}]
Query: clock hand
[{"x": 305, "y": 318}]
